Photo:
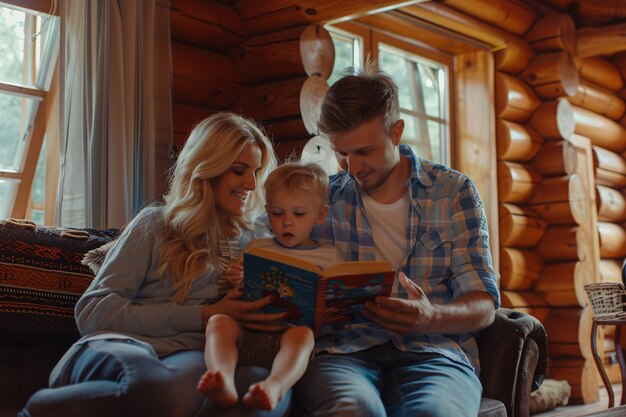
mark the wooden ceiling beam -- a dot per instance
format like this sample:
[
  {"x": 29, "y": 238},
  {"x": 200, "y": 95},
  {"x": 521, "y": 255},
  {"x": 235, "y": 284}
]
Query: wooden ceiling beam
[
  {"x": 408, "y": 27},
  {"x": 458, "y": 22},
  {"x": 507, "y": 15},
  {"x": 596, "y": 41},
  {"x": 598, "y": 10},
  {"x": 273, "y": 15}
]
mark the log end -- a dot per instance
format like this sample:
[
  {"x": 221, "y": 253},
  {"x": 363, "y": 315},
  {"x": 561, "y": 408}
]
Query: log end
[
  {"x": 568, "y": 74},
  {"x": 565, "y": 119}
]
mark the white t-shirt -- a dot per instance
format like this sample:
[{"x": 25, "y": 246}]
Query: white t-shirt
[{"x": 389, "y": 224}]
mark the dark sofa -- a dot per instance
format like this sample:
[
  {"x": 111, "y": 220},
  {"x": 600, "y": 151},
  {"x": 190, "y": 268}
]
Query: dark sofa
[{"x": 41, "y": 277}]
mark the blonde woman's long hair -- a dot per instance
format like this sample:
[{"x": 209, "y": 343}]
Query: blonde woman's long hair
[{"x": 191, "y": 240}]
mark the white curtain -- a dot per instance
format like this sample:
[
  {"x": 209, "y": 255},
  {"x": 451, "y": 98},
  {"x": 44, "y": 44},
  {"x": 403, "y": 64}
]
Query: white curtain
[{"x": 115, "y": 109}]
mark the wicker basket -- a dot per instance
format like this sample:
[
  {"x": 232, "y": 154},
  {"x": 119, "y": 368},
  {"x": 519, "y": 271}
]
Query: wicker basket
[{"x": 606, "y": 298}]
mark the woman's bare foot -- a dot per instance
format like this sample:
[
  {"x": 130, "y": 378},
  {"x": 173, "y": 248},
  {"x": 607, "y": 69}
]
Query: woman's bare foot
[
  {"x": 262, "y": 396},
  {"x": 214, "y": 386}
]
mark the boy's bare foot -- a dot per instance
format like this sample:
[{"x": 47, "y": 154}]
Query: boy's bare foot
[
  {"x": 214, "y": 386},
  {"x": 262, "y": 396}
]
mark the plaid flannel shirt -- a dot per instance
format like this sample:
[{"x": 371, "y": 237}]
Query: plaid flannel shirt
[{"x": 447, "y": 253}]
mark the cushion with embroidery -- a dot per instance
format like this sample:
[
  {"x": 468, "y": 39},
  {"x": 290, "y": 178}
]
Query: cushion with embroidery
[{"x": 42, "y": 275}]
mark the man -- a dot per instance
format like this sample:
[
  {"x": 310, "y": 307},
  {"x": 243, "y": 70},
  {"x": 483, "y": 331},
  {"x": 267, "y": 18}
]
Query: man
[{"x": 418, "y": 356}]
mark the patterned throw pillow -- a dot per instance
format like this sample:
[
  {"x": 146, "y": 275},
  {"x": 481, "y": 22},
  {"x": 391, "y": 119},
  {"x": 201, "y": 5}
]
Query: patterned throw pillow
[
  {"x": 95, "y": 257},
  {"x": 41, "y": 275}
]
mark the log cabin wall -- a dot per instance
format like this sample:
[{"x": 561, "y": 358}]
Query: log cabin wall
[
  {"x": 547, "y": 210},
  {"x": 560, "y": 141},
  {"x": 276, "y": 78},
  {"x": 559, "y": 132},
  {"x": 267, "y": 60},
  {"x": 598, "y": 109}
]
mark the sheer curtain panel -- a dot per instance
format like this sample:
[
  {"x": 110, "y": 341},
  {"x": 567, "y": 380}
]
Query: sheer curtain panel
[{"x": 115, "y": 109}]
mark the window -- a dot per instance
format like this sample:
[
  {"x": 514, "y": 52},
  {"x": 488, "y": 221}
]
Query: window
[
  {"x": 348, "y": 52},
  {"x": 455, "y": 123},
  {"x": 423, "y": 84},
  {"x": 28, "y": 55}
]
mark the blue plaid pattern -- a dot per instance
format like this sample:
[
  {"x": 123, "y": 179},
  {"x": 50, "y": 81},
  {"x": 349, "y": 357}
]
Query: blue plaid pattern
[{"x": 448, "y": 257}]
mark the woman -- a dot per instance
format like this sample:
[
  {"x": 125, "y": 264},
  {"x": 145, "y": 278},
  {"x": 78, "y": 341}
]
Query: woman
[{"x": 143, "y": 316}]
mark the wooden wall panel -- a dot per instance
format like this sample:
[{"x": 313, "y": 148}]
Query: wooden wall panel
[{"x": 476, "y": 147}]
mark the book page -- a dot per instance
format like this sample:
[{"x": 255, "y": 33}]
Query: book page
[
  {"x": 356, "y": 267},
  {"x": 285, "y": 259}
]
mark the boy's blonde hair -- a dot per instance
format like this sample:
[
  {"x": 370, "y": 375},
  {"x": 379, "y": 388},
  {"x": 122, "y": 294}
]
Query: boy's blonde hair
[{"x": 298, "y": 176}]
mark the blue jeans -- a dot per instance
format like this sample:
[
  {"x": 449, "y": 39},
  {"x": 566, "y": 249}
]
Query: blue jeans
[
  {"x": 384, "y": 381},
  {"x": 117, "y": 377}
]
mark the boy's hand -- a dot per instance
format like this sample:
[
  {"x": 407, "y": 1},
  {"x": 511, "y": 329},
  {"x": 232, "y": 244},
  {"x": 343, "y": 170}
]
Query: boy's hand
[{"x": 234, "y": 274}]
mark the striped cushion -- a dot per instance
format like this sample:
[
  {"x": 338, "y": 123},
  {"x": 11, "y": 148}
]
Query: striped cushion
[{"x": 41, "y": 275}]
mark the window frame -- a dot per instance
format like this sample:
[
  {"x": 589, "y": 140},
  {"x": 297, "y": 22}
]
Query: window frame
[
  {"x": 373, "y": 37},
  {"x": 42, "y": 114},
  {"x": 433, "y": 56}
]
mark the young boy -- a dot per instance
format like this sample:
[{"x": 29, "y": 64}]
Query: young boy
[{"x": 296, "y": 201}]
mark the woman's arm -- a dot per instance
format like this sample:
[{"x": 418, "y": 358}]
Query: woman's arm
[{"x": 111, "y": 302}]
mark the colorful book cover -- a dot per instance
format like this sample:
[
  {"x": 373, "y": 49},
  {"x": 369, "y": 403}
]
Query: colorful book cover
[{"x": 312, "y": 297}]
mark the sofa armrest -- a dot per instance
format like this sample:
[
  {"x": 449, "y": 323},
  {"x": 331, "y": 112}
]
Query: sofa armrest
[{"x": 513, "y": 359}]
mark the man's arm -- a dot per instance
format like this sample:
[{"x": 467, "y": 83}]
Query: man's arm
[{"x": 468, "y": 313}]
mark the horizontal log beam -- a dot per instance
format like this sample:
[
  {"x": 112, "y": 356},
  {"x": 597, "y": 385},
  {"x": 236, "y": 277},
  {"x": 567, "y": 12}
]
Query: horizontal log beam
[
  {"x": 600, "y": 71},
  {"x": 595, "y": 41},
  {"x": 412, "y": 30},
  {"x": 272, "y": 15},
  {"x": 511, "y": 53},
  {"x": 458, "y": 22},
  {"x": 565, "y": 243},
  {"x": 599, "y": 11},
  {"x": 288, "y": 150},
  {"x": 611, "y": 204},
  {"x": 516, "y": 182},
  {"x": 553, "y": 33},
  {"x": 515, "y": 100},
  {"x": 515, "y": 142},
  {"x": 599, "y": 100},
  {"x": 519, "y": 226},
  {"x": 520, "y": 269},
  {"x": 556, "y": 158},
  {"x": 213, "y": 93},
  {"x": 552, "y": 75},
  {"x": 212, "y": 12},
  {"x": 507, "y": 15},
  {"x": 612, "y": 240},
  {"x": 186, "y": 116},
  {"x": 554, "y": 119},
  {"x": 199, "y": 65},
  {"x": 601, "y": 130},
  {"x": 271, "y": 101},
  {"x": 287, "y": 129},
  {"x": 563, "y": 277},
  {"x": 189, "y": 30}
]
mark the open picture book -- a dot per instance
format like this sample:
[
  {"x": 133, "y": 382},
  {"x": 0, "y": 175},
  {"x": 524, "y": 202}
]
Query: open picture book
[{"x": 319, "y": 299}]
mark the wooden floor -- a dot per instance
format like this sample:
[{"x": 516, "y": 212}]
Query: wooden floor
[{"x": 585, "y": 409}]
